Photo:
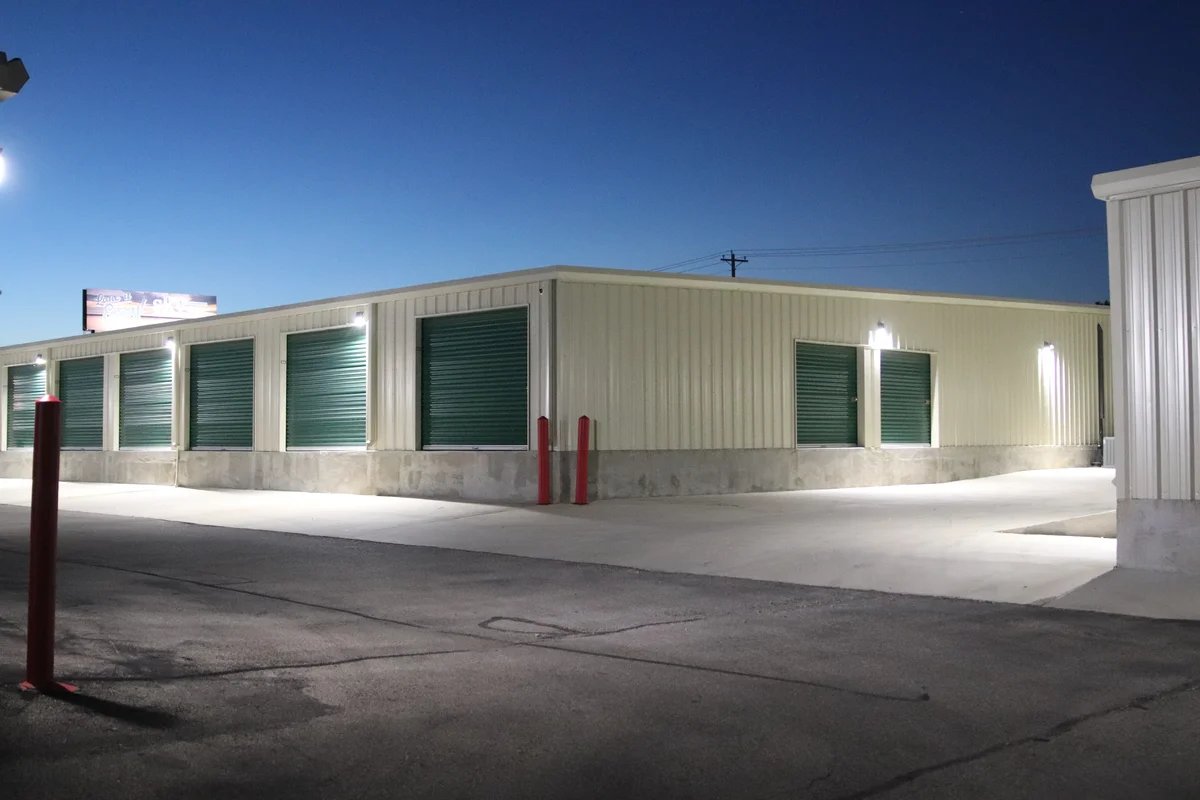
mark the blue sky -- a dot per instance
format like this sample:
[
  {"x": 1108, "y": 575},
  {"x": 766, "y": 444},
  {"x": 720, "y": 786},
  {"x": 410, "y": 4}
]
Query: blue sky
[{"x": 274, "y": 152}]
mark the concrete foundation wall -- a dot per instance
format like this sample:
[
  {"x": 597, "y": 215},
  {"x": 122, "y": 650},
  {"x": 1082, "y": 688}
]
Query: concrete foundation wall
[
  {"x": 511, "y": 476},
  {"x": 666, "y": 473},
  {"x": 1161, "y": 535},
  {"x": 88, "y": 466}
]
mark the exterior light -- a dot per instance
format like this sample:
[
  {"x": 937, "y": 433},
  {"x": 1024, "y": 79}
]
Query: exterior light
[
  {"x": 13, "y": 76},
  {"x": 40, "y": 360},
  {"x": 360, "y": 320},
  {"x": 170, "y": 342},
  {"x": 1049, "y": 348},
  {"x": 879, "y": 338}
]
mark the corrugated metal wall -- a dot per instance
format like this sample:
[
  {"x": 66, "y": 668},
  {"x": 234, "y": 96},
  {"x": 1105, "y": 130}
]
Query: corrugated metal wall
[
  {"x": 392, "y": 320},
  {"x": 397, "y": 342},
  {"x": 677, "y": 367},
  {"x": 1154, "y": 244}
]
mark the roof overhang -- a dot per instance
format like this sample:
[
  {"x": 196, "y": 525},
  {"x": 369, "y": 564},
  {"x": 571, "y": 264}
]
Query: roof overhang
[{"x": 1152, "y": 179}]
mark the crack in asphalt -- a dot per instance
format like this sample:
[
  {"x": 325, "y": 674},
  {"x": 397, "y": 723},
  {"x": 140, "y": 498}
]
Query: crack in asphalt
[
  {"x": 917, "y": 698},
  {"x": 1045, "y": 737},
  {"x": 480, "y": 637},
  {"x": 184, "y": 676}
]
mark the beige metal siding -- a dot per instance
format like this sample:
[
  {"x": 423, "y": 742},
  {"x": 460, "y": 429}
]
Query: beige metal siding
[
  {"x": 397, "y": 342},
  {"x": 392, "y": 319},
  {"x": 675, "y": 367}
]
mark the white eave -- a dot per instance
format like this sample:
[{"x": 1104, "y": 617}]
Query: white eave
[
  {"x": 1151, "y": 179},
  {"x": 580, "y": 275}
]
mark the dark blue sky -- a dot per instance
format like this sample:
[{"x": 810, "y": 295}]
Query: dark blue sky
[{"x": 272, "y": 152}]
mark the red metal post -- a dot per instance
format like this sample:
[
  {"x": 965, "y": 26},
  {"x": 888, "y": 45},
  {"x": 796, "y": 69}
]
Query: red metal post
[
  {"x": 543, "y": 443},
  {"x": 581, "y": 462},
  {"x": 43, "y": 545}
]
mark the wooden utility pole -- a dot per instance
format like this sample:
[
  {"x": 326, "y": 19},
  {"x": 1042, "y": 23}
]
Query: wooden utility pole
[{"x": 732, "y": 260}]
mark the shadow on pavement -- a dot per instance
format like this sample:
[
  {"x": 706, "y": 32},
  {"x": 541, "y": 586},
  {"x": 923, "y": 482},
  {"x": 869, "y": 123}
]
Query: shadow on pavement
[{"x": 134, "y": 715}]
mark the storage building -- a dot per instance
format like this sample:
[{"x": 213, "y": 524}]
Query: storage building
[{"x": 695, "y": 385}]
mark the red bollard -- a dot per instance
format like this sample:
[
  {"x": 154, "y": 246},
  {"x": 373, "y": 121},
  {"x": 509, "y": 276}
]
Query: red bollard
[
  {"x": 581, "y": 462},
  {"x": 543, "y": 443},
  {"x": 43, "y": 547}
]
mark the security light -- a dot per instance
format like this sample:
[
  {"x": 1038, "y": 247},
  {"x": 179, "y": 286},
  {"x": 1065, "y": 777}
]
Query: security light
[
  {"x": 360, "y": 319},
  {"x": 170, "y": 342},
  {"x": 13, "y": 76},
  {"x": 879, "y": 338},
  {"x": 1047, "y": 347},
  {"x": 39, "y": 359}
]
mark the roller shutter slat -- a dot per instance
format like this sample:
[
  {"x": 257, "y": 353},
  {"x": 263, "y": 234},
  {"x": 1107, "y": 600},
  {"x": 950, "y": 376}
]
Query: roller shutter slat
[
  {"x": 145, "y": 399},
  {"x": 906, "y": 394},
  {"x": 475, "y": 379},
  {"x": 221, "y": 396},
  {"x": 826, "y": 395},
  {"x": 26, "y": 385},
  {"x": 327, "y": 388},
  {"x": 81, "y": 390}
]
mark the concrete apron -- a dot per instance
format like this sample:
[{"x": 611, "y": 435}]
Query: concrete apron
[{"x": 511, "y": 476}]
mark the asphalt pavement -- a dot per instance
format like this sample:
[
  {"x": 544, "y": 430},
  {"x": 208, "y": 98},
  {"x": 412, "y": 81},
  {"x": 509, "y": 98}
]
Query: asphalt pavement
[{"x": 220, "y": 662}]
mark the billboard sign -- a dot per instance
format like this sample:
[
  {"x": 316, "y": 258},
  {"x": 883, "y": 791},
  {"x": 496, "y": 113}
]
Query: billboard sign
[{"x": 117, "y": 309}]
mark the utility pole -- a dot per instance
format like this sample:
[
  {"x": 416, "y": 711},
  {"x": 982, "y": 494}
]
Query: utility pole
[{"x": 732, "y": 260}]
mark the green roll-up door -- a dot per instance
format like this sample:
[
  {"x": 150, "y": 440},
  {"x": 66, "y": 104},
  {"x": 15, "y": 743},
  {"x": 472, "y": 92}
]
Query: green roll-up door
[
  {"x": 221, "y": 396},
  {"x": 905, "y": 390},
  {"x": 81, "y": 390},
  {"x": 145, "y": 397},
  {"x": 327, "y": 389},
  {"x": 826, "y": 395},
  {"x": 475, "y": 379},
  {"x": 26, "y": 385}
]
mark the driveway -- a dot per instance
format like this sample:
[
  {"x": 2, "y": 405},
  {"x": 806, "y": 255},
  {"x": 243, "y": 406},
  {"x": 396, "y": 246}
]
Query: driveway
[
  {"x": 218, "y": 662},
  {"x": 941, "y": 539}
]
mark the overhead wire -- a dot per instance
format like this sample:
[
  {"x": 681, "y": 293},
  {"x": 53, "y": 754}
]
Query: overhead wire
[
  {"x": 893, "y": 248},
  {"x": 794, "y": 268}
]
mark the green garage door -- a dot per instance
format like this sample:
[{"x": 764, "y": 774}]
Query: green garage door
[
  {"x": 826, "y": 395},
  {"x": 327, "y": 389},
  {"x": 906, "y": 397},
  {"x": 475, "y": 379},
  {"x": 145, "y": 397},
  {"x": 221, "y": 396},
  {"x": 81, "y": 390},
  {"x": 26, "y": 385}
]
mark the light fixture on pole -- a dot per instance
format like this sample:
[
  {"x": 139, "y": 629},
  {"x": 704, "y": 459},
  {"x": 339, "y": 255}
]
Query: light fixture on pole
[{"x": 13, "y": 76}]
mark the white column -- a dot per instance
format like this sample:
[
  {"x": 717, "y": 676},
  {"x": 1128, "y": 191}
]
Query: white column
[{"x": 870, "y": 431}]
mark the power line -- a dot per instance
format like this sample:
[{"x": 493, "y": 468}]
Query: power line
[
  {"x": 732, "y": 260},
  {"x": 687, "y": 262},
  {"x": 917, "y": 263},
  {"x": 942, "y": 244},
  {"x": 893, "y": 248}
]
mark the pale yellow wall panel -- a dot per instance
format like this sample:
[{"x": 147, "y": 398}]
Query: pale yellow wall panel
[{"x": 701, "y": 368}]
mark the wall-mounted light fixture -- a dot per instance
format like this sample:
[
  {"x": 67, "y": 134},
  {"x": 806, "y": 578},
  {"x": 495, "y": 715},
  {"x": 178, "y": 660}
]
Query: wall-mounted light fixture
[
  {"x": 360, "y": 320},
  {"x": 40, "y": 360},
  {"x": 1047, "y": 347},
  {"x": 170, "y": 342},
  {"x": 880, "y": 338}
]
